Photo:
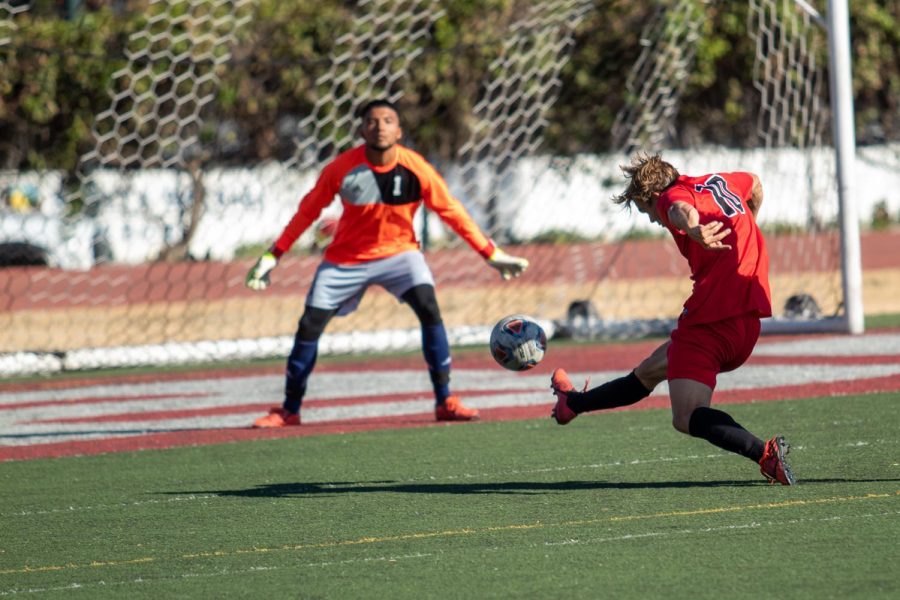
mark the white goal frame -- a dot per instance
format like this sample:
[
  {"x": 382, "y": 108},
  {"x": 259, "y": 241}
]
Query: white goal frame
[{"x": 838, "y": 25}]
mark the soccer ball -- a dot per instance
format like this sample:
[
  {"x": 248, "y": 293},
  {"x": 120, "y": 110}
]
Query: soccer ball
[{"x": 518, "y": 343}]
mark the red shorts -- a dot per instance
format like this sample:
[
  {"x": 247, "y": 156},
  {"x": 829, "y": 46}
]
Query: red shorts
[{"x": 701, "y": 352}]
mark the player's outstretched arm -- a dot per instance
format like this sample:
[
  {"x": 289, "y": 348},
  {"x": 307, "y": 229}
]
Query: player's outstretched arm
[
  {"x": 258, "y": 277},
  {"x": 508, "y": 265},
  {"x": 709, "y": 235}
]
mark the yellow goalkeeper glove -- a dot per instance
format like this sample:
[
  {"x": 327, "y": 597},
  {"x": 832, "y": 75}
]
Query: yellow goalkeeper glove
[
  {"x": 258, "y": 277},
  {"x": 509, "y": 266}
]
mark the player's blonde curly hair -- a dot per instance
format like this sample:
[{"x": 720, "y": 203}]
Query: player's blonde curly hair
[{"x": 648, "y": 174}]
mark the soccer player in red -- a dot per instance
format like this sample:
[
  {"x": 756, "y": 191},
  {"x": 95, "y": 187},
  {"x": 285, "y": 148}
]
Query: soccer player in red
[
  {"x": 712, "y": 219},
  {"x": 381, "y": 185}
]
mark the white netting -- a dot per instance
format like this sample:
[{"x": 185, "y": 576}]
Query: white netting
[
  {"x": 658, "y": 77},
  {"x": 8, "y": 11},
  {"x": 370, "y": 61},
  {"x": 792, "y": 157},
  {"x": 792, "y": 87},
  {"x": 148, "y": 196},
  {"x": 508, "y": 121},
  {"x": 155, "y": 115},
  {"x": 794, "y": 124}
]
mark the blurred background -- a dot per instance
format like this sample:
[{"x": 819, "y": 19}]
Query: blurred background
[{"x": 150, "y": 150}]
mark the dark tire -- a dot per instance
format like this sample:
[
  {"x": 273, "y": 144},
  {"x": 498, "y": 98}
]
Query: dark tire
[
  {"x": 802, "y": 306},
  {"x": 22, "y": 254}
]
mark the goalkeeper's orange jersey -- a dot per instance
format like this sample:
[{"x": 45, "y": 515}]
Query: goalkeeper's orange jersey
[{"x": 379, "y": 204}]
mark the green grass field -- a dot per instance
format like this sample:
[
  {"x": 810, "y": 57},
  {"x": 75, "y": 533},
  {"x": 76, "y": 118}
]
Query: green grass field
[{"x": 614, "y": 505}]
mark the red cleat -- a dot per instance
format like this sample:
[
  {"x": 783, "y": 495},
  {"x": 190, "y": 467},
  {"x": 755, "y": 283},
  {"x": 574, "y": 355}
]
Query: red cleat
[
  {"x": 773, "y": 464},
  {"x": 561, "y": 386},
  {"x": 277, "y": 417},
  {"x": 454, "y": 410}
]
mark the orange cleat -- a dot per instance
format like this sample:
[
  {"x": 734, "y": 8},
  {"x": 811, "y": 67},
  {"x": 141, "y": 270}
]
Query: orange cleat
[
  {"x": 561, "y": 386},
  {"x": 454, "y": 410},
  {"x": 773, "y": 464},
  {"x": 277, "y": 417}
]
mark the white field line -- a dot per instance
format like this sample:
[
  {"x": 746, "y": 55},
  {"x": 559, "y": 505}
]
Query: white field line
[
  {"x": 79, "y": 509},
  {"x": 217, "y": 573},
  {"x": 719, "y": 529},
  {"x": 387, "y": 559}
]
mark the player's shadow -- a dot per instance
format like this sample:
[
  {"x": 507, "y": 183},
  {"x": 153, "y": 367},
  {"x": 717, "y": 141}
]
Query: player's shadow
[{"x": 325, "y": 489}]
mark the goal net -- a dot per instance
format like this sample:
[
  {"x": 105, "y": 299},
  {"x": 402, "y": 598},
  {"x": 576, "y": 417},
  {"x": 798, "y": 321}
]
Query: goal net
[
  {"x": 790, "y": 150},
  {"x": 150, "y": 241}
]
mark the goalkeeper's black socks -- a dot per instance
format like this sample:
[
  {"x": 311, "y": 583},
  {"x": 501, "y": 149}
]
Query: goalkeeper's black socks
[
  {"x": 436, "y": 349},
  {"x": 300, "y": 364},
  {"x": 623, "y": 391},
  {"x": 440, "y": 381},
  {"x": 719, "y": 429}
]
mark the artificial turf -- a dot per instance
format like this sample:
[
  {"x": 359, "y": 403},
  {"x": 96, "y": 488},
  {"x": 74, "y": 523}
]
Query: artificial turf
[{"x": 613, "y": 505}]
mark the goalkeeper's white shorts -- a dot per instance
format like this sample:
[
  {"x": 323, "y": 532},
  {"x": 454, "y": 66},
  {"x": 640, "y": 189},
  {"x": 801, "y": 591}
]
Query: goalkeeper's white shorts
[{"x": 342, "y": 287}]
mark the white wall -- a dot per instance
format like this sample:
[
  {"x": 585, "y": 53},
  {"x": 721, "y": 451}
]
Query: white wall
[{"x": 138, "y": 213}]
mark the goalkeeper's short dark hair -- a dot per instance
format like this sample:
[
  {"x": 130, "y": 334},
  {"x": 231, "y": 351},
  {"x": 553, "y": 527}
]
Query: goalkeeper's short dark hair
[{"x": 377, "y": 103}]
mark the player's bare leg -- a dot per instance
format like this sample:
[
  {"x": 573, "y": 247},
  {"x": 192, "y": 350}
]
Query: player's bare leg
[
  {"x": 687, "y": 396},
  {"x": 691, "y": 414},
  {"x": 652, "y": 370}
]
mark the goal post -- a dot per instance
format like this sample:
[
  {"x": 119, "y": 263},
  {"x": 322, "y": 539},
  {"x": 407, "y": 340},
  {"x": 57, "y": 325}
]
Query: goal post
[
  {"x": 845, "y": 156},
  {"x": 797, "y": 121}
]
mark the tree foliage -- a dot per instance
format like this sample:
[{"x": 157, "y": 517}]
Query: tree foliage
[{"x": 55, "y": 74}]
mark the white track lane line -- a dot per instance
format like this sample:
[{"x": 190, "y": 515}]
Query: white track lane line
[
  {"x": 870, "y": 344},
  {"x": 14, "y": 429}
]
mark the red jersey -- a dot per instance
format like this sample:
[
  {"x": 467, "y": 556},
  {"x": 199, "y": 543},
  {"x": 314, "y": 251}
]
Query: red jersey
[
  {"x": 731, "y": 282},
  {"x": 379, "y": 204}
]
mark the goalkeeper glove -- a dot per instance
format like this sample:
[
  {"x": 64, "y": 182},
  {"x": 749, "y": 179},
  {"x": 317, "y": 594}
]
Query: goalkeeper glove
[
  {"x": 508, "y": 265},
  {"x": 258, "y": 277}
]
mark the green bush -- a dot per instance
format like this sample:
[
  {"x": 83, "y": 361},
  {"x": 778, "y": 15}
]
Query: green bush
[
  {"x": 881, "y": 217},
  {"x": 56, "y": 75}
]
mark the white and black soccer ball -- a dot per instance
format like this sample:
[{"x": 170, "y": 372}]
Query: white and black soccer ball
[{"x": 518, "y": 342}]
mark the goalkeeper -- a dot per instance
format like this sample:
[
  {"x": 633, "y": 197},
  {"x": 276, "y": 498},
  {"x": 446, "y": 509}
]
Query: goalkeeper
[{"x": 381, "y": 185}]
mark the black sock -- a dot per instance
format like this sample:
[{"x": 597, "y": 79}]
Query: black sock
[
  {"x": 719, "y": 429},
  {"x": 618, "y": 392}
]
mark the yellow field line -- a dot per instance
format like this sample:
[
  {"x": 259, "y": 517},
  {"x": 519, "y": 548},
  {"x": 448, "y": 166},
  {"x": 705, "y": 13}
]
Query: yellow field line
[
  {"x": 69, "y": 566},
  {"x": 456, "y": 532},
  {"x": 786, "y": 504}
]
